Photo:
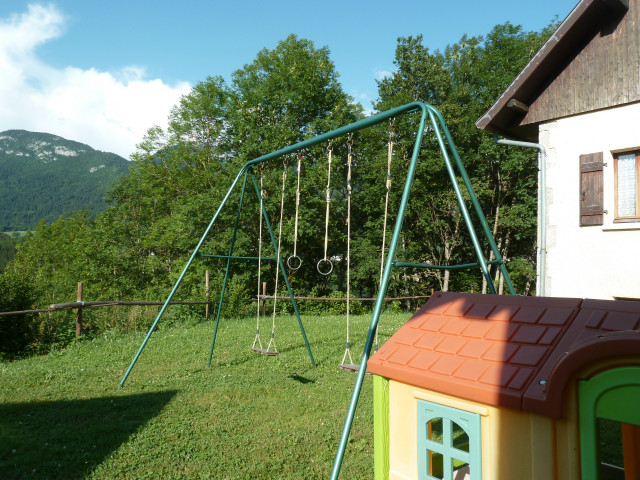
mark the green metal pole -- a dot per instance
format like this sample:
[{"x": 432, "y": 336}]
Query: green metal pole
[
  {"x": 435, "y": 116},
  {"x": 284, "y": 272},
  {"x": 441, "y": 267},
  {"x": 338, "y": 132},
  {"x": 476, "y": 204},
  {"x": 226, "y": 273},
  {"x": 233, "y": 257},
  {"x": 380, "y": 298},
  {"x": 179, "y": 281}
]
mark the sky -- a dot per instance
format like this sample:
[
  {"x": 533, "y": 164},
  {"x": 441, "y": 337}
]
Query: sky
[{"x": 103, "y": 73}]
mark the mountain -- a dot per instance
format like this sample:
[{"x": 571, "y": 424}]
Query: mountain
[{"x": 43, "y": 176}]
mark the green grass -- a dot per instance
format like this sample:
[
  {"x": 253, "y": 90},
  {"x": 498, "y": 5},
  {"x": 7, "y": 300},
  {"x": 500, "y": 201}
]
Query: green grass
[{"x": 249, "y": 416}]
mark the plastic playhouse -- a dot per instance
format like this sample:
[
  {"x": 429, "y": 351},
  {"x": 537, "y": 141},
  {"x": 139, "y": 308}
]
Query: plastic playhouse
[{"x": 506, "y": 387}]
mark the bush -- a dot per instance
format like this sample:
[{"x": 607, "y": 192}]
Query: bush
[{"x": 16, "y": 331}]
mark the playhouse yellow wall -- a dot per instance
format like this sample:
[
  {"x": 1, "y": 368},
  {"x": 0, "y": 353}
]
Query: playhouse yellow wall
[{"x": 515, "y": 445}]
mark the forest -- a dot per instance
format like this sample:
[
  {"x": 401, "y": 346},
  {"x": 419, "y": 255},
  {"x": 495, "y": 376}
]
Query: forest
[
  {"x": 38, "y": 183},
  {"x": 138, "y": 246}
]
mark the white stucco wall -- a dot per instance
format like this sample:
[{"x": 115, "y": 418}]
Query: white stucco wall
[{"x": 596, "y": 261}]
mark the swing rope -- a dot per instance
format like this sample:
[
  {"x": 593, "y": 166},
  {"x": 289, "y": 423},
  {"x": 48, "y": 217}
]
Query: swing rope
[
  {"x": 326, "y": 261},
  {"x": 386, "y": 212},
  {"x": 275, "y": 294},
  {"x": 347, "y": 353},
  {"x": 294, "y": 262},
  {"x": 257, "y": 340}
]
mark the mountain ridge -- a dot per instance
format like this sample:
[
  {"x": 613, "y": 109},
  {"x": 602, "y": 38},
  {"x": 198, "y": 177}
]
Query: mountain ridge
[{"x": 44, "y": 176}]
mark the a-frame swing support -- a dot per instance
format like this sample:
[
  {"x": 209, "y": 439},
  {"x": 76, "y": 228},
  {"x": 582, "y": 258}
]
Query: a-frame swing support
[{"x": 448, "y": 150}]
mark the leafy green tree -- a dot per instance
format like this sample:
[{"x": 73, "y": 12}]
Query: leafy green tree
[
  {"x": 463, "y": 81},
  {"x": 284, "y": 96}
]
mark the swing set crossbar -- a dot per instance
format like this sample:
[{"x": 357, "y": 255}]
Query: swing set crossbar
[
  {"x": 233, "y": 257},
  {"x": 444, "y": 267}
]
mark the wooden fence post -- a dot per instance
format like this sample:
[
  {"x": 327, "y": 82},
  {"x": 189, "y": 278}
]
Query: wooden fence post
[
  {"x": 79, "y": 312},
  {"x": 206, "y": 286}
]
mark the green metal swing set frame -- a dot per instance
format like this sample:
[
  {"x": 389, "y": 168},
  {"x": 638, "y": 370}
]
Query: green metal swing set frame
[{"x": 448, "y": 150}]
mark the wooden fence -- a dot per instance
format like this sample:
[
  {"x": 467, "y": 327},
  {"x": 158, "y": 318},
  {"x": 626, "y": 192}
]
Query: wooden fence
[{"x": 80, "y": 304}]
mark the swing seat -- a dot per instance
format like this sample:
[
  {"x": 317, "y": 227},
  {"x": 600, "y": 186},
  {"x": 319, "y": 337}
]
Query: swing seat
[
  {"x": 264, "y": 351},
  {"x": 349, "y": 367}
]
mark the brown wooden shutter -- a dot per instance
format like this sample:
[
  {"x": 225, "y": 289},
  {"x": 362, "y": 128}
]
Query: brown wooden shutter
[{"x": 591, "y": 197}]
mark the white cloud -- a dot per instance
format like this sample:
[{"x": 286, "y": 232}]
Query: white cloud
[
  {"x": 381, "y": 74},
  {"x": 110, "y": 111}
]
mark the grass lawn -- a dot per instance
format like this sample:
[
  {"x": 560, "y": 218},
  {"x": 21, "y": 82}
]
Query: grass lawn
[{"x": 249, "y": 416}]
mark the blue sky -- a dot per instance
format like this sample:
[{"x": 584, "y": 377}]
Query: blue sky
[{"x": 104, "y": 72}]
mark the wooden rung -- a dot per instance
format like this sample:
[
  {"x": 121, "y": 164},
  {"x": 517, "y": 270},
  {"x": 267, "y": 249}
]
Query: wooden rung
[{"x": 264, "y": 351}]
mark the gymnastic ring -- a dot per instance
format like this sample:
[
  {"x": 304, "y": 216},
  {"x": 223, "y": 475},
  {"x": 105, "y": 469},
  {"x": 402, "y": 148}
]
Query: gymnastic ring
[
  {"x": 297, "y": 262},
  {"x": 323, "y": 261}
]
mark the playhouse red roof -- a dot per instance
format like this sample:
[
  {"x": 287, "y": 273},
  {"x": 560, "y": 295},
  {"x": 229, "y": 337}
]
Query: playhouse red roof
[{"x": 510, "y": 351}]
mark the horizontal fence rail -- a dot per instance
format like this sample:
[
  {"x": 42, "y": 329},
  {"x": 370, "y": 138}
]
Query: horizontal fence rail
[
  {"x": 56, "y": 307},
  {"x": 337, "y": 299}
]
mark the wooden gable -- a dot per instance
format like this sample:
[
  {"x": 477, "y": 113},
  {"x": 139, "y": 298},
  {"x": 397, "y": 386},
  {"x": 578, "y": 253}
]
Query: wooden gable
[
  {"x": 591, "y": 62},
  {"x": 604, "y": 73}
]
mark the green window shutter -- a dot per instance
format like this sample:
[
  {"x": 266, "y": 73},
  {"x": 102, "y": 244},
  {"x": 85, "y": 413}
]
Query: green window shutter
[
  {"x": 591, "y": 190},
  {"x": 452, "y": 441}
]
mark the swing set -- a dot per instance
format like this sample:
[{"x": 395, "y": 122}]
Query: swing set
[{"x": 455, "y": 170}]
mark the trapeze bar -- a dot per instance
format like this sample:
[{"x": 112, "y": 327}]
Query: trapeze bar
[
  {"x": 236, "y": 258},
  {"x": 443, "y": 267}
]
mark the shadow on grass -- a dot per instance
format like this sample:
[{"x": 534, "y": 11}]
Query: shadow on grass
[
  {"x": 68, "y": 439},
  {"x": 301, "y": 379}
]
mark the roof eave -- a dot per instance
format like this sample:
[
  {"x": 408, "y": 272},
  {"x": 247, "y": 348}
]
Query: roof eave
[{"x": 507, "y": 113}]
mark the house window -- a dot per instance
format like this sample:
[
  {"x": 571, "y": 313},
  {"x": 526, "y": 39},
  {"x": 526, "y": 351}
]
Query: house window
[
  {"x": 448, "y": 443},
  {"x": 627, "y": 186}
]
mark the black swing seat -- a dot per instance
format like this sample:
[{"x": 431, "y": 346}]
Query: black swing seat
[{"x": 264, "y": 351}]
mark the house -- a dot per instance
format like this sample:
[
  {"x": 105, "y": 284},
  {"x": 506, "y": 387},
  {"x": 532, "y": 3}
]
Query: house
[
  {"x": 579, "y": 99},
  {"x": 488, "y": 387}
]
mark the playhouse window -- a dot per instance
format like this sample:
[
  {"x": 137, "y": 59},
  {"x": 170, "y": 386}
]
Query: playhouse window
[
  {"x": 448, "y": 443},
  {"x": 627, "y": 186}
]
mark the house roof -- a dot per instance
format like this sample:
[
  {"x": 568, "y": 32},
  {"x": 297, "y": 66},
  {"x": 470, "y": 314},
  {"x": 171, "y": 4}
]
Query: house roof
[
  {"x": 509, "y": 351},
  {"x": 506, "y": 114}
]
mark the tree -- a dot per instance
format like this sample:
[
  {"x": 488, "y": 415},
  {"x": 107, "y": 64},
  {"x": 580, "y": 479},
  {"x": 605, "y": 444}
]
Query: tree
[
  {"x": 284, "y": 96},
  {"x": 463, "y": 81}
]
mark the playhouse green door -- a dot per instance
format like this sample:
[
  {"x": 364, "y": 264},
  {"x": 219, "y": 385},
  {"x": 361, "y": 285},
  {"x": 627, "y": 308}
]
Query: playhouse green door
[{"x": 610, "y": 425}]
